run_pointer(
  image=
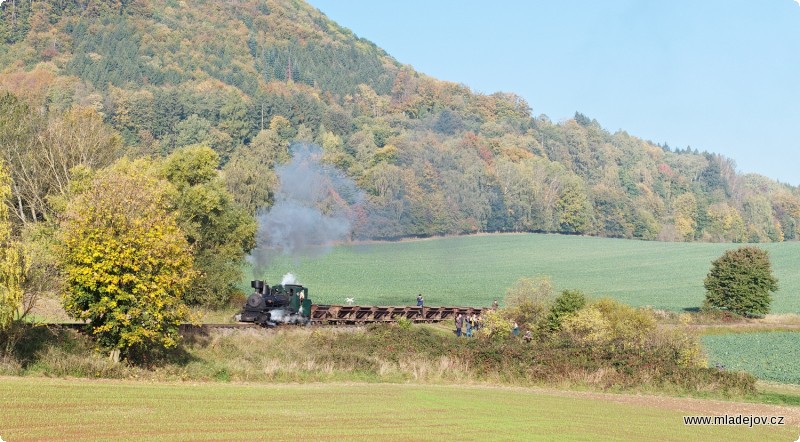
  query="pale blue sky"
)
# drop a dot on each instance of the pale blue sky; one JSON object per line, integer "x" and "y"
{"x": 722, "y": 76}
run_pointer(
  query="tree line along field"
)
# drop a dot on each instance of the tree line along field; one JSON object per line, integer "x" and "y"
{"x": 771, "y": 356}
{"x": 474, "y": 270}
{"x": 120, "y": 410}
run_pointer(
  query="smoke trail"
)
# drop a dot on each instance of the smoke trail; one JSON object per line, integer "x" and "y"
{"x": 313, "y": 209}
{"x": 288, "y": 278}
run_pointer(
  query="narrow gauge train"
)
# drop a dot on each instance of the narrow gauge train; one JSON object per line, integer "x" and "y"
{"x": 279, "y": 304}
{"x": 291, "y": 304}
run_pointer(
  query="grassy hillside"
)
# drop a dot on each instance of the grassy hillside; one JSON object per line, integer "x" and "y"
{"x": 473, "y": 270}
{"x": 114, "y": 410}
{"x": 250, "y": 77}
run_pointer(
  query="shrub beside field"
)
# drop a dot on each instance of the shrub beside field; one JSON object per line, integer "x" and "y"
{"x": 385, "y": 353}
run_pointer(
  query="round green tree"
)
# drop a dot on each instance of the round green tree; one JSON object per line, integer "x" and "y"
{"x": 741, "y": 281}
{"x": 127, "y": 263}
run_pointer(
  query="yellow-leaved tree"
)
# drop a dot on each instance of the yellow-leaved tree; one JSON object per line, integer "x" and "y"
{"x": 685, "y": 208}
{"x": 127, "y": 263}
{"x": 12, "y": 270}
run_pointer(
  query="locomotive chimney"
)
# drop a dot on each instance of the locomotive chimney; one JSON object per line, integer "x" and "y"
{"x": 258, "y": 285}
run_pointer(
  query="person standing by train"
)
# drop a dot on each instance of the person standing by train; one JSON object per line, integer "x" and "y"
{"x": 459, "y": 324}
{"x": 420, "y": 301}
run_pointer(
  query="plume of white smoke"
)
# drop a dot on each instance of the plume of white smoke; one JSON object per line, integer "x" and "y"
{"x": 278, "y": 315}
{"x": 313, "y": 209}
{"x": 288, "y": 278}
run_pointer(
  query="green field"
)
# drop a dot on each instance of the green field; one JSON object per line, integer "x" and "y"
{"x": 772, "y": 356}
{"x": 473, "y": 270}
{"x": 55, "y": 409}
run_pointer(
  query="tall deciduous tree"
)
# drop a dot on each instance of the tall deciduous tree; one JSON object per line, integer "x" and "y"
{"x": 42, "y": 152}
{"x": 574, "y": 209}
{"x": 685, "y": 207}
{"x": 741, "y": 281}
{"x": 220, "y": 231}
{"x": 250, "y": 174}
{"x": 126, "y": 262}
{"x": 12, "y": 269}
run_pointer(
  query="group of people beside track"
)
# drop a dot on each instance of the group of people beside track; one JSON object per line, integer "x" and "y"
{"x": 472, "y": 322}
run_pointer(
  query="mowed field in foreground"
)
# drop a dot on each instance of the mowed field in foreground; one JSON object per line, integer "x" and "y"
{"x": 474, "y": 270}
{"x": 56, "y": 409}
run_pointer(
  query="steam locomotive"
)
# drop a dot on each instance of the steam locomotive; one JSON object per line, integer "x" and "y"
{"x": 279, "y": 304}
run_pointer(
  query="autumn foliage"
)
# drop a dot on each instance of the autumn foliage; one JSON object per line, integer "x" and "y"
{"x": 12, "y": 270}
{"x": 248, "y": 78}
{"x": 127, "y": 264}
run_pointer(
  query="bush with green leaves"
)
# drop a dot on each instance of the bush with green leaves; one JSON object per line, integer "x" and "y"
{"x": 741, "y": 281}
{"x": 565, "y": 304}
{"x": 527, "y": 302}
{"x": 608, "y": 325}
{"x": 495, "y": 326}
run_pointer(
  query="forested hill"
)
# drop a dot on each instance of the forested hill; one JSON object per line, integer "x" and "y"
{"x": 249, "y": 77}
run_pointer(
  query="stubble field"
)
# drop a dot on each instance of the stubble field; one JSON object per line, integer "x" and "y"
{"x": 58, "y": 409}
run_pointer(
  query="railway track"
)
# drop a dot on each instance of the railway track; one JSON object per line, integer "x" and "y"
{"x": 337, "y": 316}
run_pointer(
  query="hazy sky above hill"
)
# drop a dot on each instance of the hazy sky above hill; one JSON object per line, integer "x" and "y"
{"x": 722, "y": 76}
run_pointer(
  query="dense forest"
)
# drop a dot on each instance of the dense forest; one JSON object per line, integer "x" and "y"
{"x": 87, "y": 82}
